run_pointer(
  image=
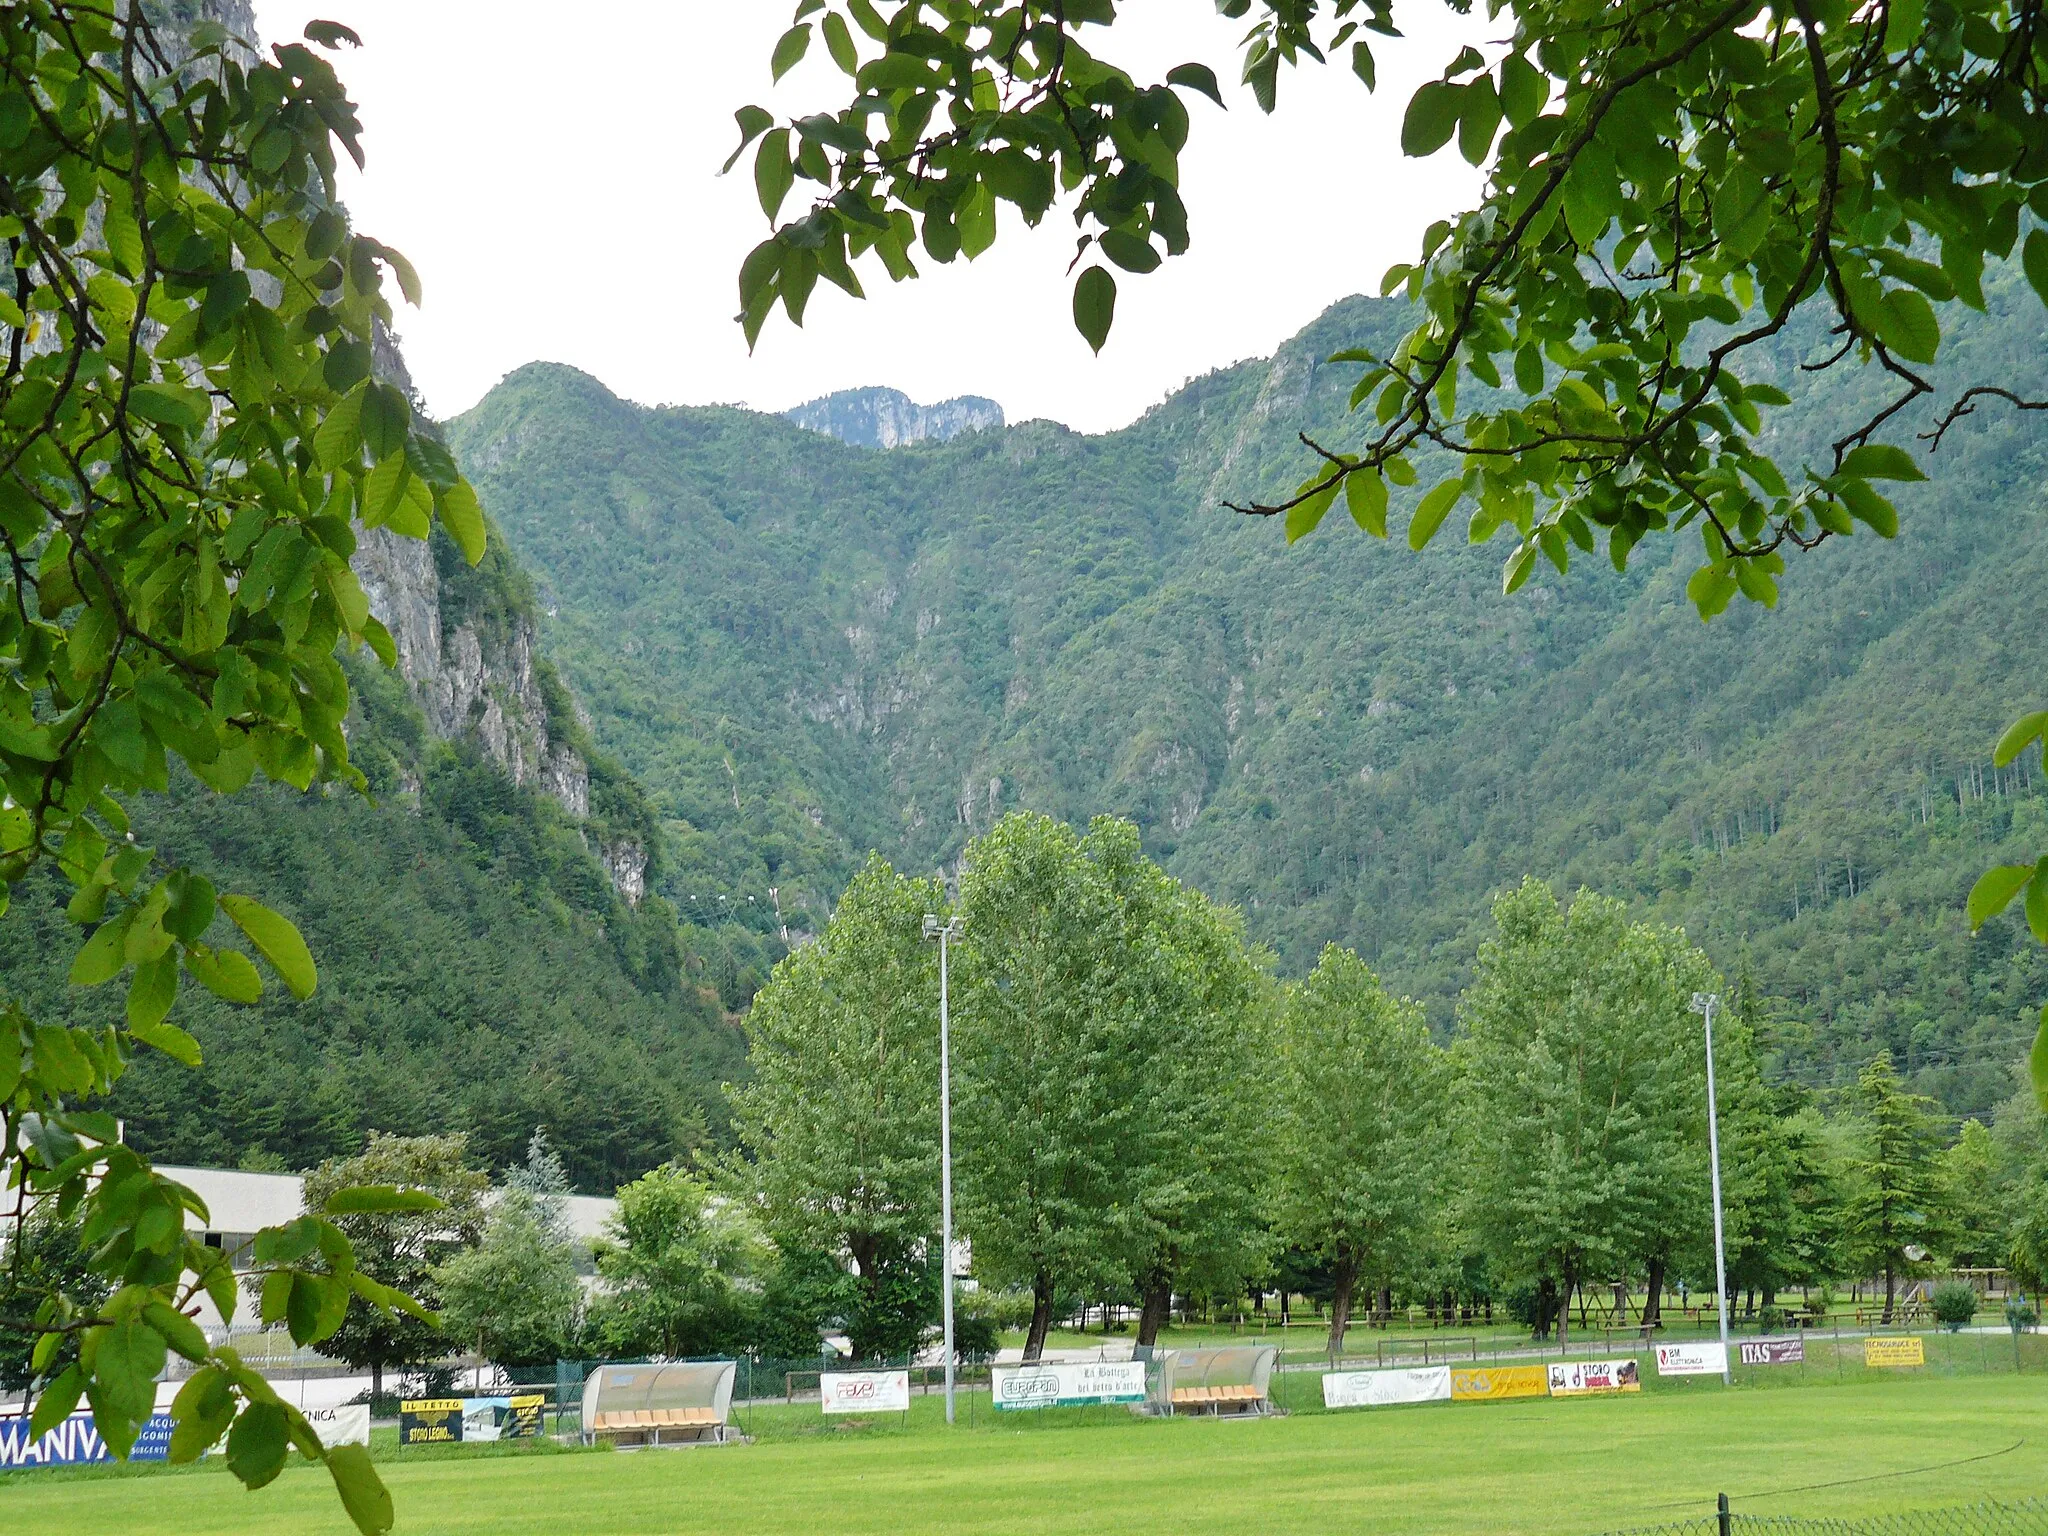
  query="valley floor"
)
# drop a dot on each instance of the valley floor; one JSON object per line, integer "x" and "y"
{"x": 1545, "y": 1466}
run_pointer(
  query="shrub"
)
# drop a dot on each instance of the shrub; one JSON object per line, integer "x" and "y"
{"x": 1955, "y": 1303}
{"x": 1771, "y": 1319}
{"x": 974, "y": 1339}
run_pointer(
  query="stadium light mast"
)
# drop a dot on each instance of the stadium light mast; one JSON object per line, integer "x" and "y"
{"x": 1703, "y": 1004}
{"x": 945, "y": 933}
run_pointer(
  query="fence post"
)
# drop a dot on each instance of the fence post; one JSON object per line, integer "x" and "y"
{"x": 1721, "y": 1515}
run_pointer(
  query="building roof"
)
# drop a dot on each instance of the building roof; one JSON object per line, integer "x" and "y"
{"x": 243, "y": 1202}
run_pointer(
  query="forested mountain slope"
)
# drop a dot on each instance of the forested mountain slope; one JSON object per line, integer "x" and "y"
{"x": 488, "y": 962}
{"x": 805, "y": 649}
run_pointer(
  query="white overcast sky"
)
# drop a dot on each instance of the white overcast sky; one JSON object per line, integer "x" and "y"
{"x": 552, "y": 172}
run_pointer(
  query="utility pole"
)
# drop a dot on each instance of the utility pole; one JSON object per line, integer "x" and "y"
{"x": 1703, "y": 1004}
{"x": 944, "y": 933}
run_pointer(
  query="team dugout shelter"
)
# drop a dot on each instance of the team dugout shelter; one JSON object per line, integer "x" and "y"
{"x": 1235, "y": 1379}
{"x": 639, "y": 1407}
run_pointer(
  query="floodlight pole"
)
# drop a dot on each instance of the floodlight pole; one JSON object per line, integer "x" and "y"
{"x": 1703, "y": 1004}
{"x": 943, "y": 932}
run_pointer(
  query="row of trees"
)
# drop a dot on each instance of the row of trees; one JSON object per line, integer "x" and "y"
{"x": 1141, "y": 1111}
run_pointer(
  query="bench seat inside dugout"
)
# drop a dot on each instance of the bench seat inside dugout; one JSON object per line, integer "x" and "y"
{"x": 1233, "y": 1380}
{"x": 636, "y": 1406}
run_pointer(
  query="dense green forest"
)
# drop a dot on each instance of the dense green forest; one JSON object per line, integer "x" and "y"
{"x": 478, "y": 970}
{"x": 806, "y": 649}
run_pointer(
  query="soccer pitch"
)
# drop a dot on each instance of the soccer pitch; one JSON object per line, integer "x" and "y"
{"x": 1570, "y": 1468}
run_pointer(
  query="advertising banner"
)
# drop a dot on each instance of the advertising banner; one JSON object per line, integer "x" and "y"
{"x": 1775, "y": 1352}
{"x": 430, "y": 1421}
{"x": 75, "y": 1443}
{"x": 1065, "y": 1386}
{"x": 1580, "y": 1378}
{"x": 1895, "y": 1351}
{"x": 1379, "y": 1389}
{"x": 864, "y": 1391}
{"x": 348, "y": 1424}
{"x": 1489, "y": 1383}
{"x": 446, "y": 1420}
{"x": 1691, "y": 1359}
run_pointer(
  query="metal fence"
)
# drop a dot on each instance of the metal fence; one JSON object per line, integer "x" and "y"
{"x": 2026, "y": 1518}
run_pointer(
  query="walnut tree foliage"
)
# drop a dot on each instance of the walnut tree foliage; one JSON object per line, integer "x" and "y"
{"x": 1669, "y": 187}
{"x": 190, "y": 429}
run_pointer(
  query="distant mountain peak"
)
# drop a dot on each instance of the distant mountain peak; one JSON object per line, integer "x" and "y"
{"x": 877, "y": 417}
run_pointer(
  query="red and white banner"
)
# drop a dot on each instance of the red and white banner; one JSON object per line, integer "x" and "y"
{"x": 1691, "y": 1360}
{"x": 864, "y": 1391}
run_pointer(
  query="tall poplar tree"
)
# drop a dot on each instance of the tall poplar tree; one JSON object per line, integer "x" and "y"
{"x": 1582, "y": 1102}
{"x": 1363, "y": 1109}
{"x": 839, "y": 1120}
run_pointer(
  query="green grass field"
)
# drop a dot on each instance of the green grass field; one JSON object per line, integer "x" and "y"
{"x": 1572, "y": 1468}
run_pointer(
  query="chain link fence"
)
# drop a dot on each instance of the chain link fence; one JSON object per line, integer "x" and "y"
{"x": 2026, "y": 1518}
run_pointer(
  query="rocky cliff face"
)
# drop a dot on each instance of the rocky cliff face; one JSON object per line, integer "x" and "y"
{"x": 888, "y": 418}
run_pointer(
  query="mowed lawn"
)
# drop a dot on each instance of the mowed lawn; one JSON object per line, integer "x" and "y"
{"x": 1540, "y": 1466}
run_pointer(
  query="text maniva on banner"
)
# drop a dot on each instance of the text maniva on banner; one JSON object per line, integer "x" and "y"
{"x": 1691, "y": 1360}
{"x": 1380, "y": 1389}
{"x": 864, "y": 1391}
{"x": 1488, "y": 1383}
{"x": 1581, "y": 1378}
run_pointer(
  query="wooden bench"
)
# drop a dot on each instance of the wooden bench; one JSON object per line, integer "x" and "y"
{"x": 1217, "y": 1399}
{"x": 646, "y": 1424}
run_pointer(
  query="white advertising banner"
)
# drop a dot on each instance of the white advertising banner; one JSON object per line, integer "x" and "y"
{"x": 1379, "y": 1389}
{"x": 347, "y": 1424}
{"x": 864, "y": 1391}
{"x": 1691, "y": 1360}
{"x": 1064, "y": 1385}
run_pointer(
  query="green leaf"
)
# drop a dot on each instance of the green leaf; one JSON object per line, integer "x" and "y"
{"x": 1872, "y": 508}
{"x": 191, "y": 908}
{"x": 1128, "y": 251}
{"x": 169, "y": 1039}
{"x": 1095, "y": 305}
{"x": 1994, "y": 891}
{"x": 339, "y": 438}
{"x": 358, "y": 1199}
{"x": 226, "y": 973}
{"x": 1431, "y": 119}
{"x": 463, "y": 519}
{"x": 789, "y": 50}
{"x": 316, "y": 1307}
{"x": 1197, "y": 77}
{"x": 258, "y": 1443}
{"x": 1478, "y": 121}
{"x": 839, "y": 43}
{"x": 177, "y": 1330}
{"x": 2037, "y": 1062}
{"x": 1906, "y": 323}
{"x": 277, "y": 941}
{"x": 170, "y": 405}
{"x": 59, "y": 1398}
{"x": 754, "y": 122}
{"x": 773, "y": 173}
{"x": 1305, "y": 514}
{"x": 151, "y": 992}
{"x": 103, "y": 956}
{"x": 126, "y": 1363}
{"x": 2034, "y": 257}
{"x": 2017, "y": 735}
{"x": 362, "y": 1491}
{"x": 1524, "y": 90}
{"x": 385, "y": 419}
{"x": 1365, "y": 497}
{"x": 2036, "y": 906}
{"x": 1430, "y": 515}
{"x": 1881, "y": 461}
{"x": 976, "y": 220}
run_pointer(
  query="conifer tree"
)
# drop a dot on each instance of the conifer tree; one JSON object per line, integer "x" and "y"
{"x": 1894, "y": 1213}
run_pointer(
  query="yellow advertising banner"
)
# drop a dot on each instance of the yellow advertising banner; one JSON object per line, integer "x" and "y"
{"x": 1895, "y": 1351}
{"x": 1485, "y": 1383}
